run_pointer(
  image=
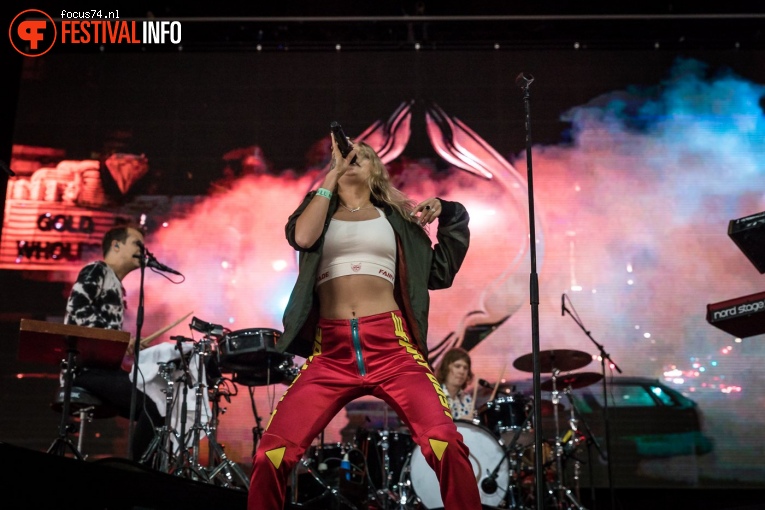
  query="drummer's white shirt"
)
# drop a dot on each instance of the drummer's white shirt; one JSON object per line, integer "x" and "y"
{"x": 461, "y": 406}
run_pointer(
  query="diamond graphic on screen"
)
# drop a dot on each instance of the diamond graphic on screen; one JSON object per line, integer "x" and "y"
{"x": 126, "y": 169}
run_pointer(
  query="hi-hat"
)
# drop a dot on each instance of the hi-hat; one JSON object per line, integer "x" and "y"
{"x": 573, "y": 381}
{"x": 564, "y": 360}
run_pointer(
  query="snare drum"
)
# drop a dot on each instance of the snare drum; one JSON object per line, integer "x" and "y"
{"x": 486, "y": 454}
{"x": 251, "y": 355}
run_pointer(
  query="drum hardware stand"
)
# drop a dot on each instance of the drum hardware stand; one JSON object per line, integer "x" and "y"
{"x": 590, "y": 439}
{"x": 257, "y": 430}
{"x": 489, "y": 484}
{"x": 226, "y": 466}
{"x": 561, "y": 489}
{"x": 603, "y": 357}
{"x": 403, "y": 495}
{"x": 385, "y": 446}
{"x": 161, "y": 446}
{"x": 187, "y": 462}
{"x": 328, "y": 489}
{"x": 334, "y": 492}
{"x": 384, "y": 490}
{"x": 384, "y": 495}
{"x": 307, "y": 464}
{"x": 86, "y": 416}
{"x": 202, "y": 349}
{"x": 290, "y": 372}
{"x": 182, "y": 462}
{"x": 63, "y": 441}
{"x": 514, "y": 465}
{"x": 573, "y": 441}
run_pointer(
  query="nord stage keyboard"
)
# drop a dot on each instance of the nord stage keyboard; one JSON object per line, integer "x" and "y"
{"x": 742, "y": 317}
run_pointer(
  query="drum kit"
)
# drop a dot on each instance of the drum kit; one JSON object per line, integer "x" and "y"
{"x": 246, "y": 357}
{"x": 380, "y": 468}
{"x": 386, "y": 470}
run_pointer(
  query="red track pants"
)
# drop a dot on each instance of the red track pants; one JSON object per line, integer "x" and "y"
{"x": 371, "y": 355}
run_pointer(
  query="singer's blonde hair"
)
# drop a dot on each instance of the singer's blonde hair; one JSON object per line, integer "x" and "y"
{"x": 380, "y": 186}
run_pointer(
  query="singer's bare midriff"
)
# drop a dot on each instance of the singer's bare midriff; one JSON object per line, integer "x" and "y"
{"x": 352, "y": 296}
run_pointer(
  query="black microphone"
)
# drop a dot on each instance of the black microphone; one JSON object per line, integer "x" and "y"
{"x": 152, "y": 262}
{"x": 562, "y": 305}
{"x": 159, "y": 266}
{"x": 341, "y": 139}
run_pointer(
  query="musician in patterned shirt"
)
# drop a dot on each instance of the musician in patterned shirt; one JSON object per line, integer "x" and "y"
{"x": 97, "y": 299}
{"x": 455, "y": 373}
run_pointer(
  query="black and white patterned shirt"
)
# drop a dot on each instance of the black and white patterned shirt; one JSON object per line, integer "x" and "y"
{"x": 461, "y": 406}
{"x": 97, "y": 299}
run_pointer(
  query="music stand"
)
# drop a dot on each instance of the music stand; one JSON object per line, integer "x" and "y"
{"x": 67, "y": 345}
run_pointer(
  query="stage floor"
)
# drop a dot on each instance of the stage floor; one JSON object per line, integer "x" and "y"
{"x": 36, "y": 479}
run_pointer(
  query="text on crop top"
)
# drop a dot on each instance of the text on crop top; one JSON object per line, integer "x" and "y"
{"x": 358, "y": 247}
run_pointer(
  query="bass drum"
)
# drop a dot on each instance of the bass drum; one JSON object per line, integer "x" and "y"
{"x": 485, "y": 454}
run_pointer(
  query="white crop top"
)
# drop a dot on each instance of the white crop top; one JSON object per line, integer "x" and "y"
{"x": 358, "y": 247}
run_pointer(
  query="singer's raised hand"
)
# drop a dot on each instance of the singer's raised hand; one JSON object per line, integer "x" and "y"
{"x": 340, "y": 164}
{"x": 310, "y": 222}
{"x": 428, "y": 210}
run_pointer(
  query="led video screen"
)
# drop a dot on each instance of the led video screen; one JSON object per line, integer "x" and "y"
{"x": 639, "y": 162}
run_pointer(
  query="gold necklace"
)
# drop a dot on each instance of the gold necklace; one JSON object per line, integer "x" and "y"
{"x": 356, "y": 208}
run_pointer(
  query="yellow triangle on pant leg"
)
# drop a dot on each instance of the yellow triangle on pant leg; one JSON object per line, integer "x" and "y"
{"x": 438, "y": 447}
{"x": 276, "y": 455}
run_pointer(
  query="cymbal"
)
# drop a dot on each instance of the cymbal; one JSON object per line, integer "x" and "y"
{"x": 575, "y": 380}
{"x": 564, "y": 360}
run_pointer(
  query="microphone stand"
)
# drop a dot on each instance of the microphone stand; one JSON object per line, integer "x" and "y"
{"x": 524, "y": 82}
{"x": 136, "y": 351}
{"x": 603, "y": 357}
{"x": 184, "y": 461}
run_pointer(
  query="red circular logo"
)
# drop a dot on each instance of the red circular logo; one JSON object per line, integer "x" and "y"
{"x": 32, "y": 33}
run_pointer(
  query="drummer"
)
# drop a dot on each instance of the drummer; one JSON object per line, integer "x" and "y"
{"x": 455, "y": 373}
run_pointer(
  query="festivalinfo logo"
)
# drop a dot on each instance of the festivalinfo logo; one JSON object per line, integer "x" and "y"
{"x": 33, "y": 32}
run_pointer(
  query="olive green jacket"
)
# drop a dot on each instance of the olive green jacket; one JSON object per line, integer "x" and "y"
{"x": 420, "y": 267}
